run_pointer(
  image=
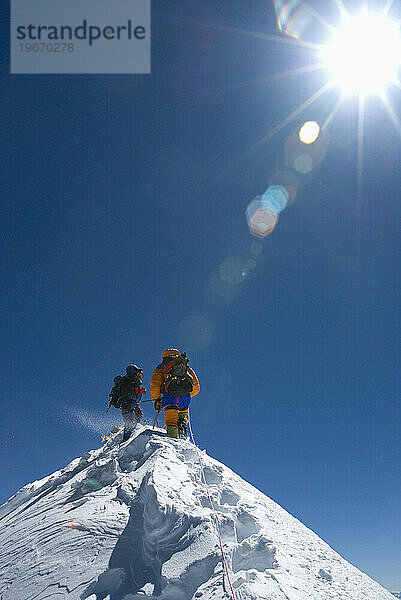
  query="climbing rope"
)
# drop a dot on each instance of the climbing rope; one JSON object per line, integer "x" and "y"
{"x": 214, "y": 510}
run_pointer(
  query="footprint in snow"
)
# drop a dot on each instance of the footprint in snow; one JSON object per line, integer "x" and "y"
{"x": 229, "y": 497}
{"x": 246, "y": 525}
{"x": 213, "y": 477}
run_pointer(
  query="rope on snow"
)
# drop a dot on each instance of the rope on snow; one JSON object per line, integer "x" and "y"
{"x": 214, "y": 511}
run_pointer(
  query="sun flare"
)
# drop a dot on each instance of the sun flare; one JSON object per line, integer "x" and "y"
{"x": 364, "y": 54}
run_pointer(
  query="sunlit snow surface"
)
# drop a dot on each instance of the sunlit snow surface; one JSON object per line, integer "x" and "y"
{"x": 132, "y": 521}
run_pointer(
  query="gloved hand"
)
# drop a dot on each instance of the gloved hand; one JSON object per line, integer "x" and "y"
{"x": 158, "y": 405}
{"x": 138, "y": 413}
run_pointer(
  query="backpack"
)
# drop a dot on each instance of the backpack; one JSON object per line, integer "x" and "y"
{"x": 115, "y": 394}
{"x": 122, "y": 387}
{"x": 177, "y": 380}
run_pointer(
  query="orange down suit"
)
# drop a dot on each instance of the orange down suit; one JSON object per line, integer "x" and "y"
{"x": 171, "y": 414}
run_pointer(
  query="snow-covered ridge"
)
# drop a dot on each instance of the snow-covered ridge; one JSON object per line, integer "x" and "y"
{"x": 133, "y": 521}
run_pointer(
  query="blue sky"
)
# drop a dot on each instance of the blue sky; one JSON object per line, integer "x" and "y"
{"x": 123, "y": 202}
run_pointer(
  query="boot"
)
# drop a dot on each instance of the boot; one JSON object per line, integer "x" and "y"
{"x": 126, "y": 434}
{"x": 172, "y": 431}
{"x": 182, "y": 429}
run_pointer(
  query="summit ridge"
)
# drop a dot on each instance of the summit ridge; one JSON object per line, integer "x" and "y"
{"x": 133, "y": 520}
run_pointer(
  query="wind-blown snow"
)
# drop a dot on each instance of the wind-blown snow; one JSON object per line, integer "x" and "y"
{"x": 92, "y": 421}
{"x": 132, "y": 521}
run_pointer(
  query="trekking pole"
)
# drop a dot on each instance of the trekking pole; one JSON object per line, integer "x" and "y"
{"x": 156, "y": 422}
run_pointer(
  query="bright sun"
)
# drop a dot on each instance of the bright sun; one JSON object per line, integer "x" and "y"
{"x": 360, "y": 56}
{"x": 364, "y": 54}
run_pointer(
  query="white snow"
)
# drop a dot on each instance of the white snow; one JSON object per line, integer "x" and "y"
{"x": 133, "y": 521}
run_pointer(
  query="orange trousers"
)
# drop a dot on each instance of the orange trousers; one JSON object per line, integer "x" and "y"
{"x": 171, "y": 416}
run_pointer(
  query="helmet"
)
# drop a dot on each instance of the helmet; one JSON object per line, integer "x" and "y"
{"x": 171, "y": 352}
{"x": 133, "y": 370}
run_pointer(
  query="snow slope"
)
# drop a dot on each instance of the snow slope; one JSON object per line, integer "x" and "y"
{"x": 132, "y": 521}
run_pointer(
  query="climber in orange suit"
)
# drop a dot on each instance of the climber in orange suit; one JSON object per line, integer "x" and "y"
{"x": 172, "y": 386}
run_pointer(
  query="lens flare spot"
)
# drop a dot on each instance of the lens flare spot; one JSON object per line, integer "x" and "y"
{"x": 219, "y": 292}
{"x": 250, "y": 265}
{"x": 256, "y": 248}
{"x": 289, "y": 180}
{"x": 293, "y": 17}
{"x": 231, "y": 270}
{"x": 309, "y": 132}
{"x": 303, "y": 163}
{"x": 261, "y": 219}
{"x": 195, "y": 331}
{"x": 275, "y": 198}
{"x": 303, "y": 158}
